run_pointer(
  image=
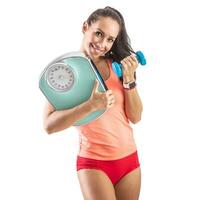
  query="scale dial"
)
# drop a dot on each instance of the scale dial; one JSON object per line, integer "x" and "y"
{"x": 60, "y": 77}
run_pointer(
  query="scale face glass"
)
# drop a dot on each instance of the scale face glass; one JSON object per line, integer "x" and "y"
{"x": 60, "y": 77}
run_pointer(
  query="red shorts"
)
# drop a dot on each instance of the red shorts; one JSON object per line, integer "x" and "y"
{"x": 115, "y": 169}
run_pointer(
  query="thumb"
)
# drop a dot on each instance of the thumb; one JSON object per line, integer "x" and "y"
{"x": 96, "y": 84}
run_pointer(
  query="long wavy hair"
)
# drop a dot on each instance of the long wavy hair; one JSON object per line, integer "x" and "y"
{"x": 121, "y": 47}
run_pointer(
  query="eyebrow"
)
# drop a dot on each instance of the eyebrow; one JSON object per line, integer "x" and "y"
{"x": 104, "y": 33}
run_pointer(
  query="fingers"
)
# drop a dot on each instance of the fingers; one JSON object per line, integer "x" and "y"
{"x": 110, "y": 103}
{"x": 110, "y": 99}
{"x": 107, "y": 98}
{"x": 130, "y": 61}
{"x": 109, "y": 92}
{"x": 109, "y": 95}
{"x": 133, "y": 58}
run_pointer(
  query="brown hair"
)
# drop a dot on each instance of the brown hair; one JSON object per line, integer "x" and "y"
{"x": 121, "y": 47}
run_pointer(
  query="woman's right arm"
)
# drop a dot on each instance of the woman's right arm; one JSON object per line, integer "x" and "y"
{"x": 55, "y": 121}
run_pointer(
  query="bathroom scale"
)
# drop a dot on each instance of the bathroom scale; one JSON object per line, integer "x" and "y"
{"x": 69, "y": 80}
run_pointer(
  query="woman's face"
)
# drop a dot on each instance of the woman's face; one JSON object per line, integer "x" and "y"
{"x": 99, "y": 37}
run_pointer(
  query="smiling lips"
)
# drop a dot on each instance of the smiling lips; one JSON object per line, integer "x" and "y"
{"x": 96, "y": 49}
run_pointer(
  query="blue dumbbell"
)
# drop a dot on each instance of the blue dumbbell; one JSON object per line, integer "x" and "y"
{"x": 117, "y": 67}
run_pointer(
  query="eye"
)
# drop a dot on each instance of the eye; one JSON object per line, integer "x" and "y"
{"x": 111, "y": 40}
{"x": 98, "y": 33}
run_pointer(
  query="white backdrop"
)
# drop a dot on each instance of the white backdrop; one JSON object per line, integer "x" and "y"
{"x": 35, "y": 165}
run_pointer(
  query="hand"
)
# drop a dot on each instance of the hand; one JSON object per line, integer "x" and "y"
{"x": 129, "y": 65}
{"x": 101, "y": 100}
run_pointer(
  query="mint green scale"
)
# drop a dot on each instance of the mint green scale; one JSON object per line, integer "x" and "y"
{"x": 68, "y": 81}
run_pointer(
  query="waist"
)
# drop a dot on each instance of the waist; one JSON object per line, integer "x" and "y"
{"x": 106, "y": 151}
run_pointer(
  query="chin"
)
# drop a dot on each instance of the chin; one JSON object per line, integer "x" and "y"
{"x": 93, "y": 56}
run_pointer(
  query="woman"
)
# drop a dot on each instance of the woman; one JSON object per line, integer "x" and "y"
{"x": 108, "y": 167}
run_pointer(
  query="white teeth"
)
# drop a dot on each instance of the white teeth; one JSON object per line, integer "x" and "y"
{"x": 96, "y": 49}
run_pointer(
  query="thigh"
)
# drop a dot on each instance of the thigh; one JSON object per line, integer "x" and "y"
{"x": 95, "y": 184}
{"x": 128, "y": 188}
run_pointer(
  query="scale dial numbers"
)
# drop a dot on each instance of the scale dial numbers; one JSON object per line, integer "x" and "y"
{"x": 60, "y": 77}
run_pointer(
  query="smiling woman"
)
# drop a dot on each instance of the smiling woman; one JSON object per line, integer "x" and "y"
{"x": 99, "y": 37}
{"x": 107, "y": 164}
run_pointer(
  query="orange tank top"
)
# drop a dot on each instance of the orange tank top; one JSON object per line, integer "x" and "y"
{"x": 109, "y": 137}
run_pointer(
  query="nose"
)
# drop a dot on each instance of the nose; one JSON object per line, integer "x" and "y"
{"x": 102, "y": 44}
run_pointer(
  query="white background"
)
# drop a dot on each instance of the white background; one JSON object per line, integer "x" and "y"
{"x": 35, "y": 165}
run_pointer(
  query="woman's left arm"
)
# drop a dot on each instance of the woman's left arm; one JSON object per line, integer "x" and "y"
{"x": 133, "y": 103}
